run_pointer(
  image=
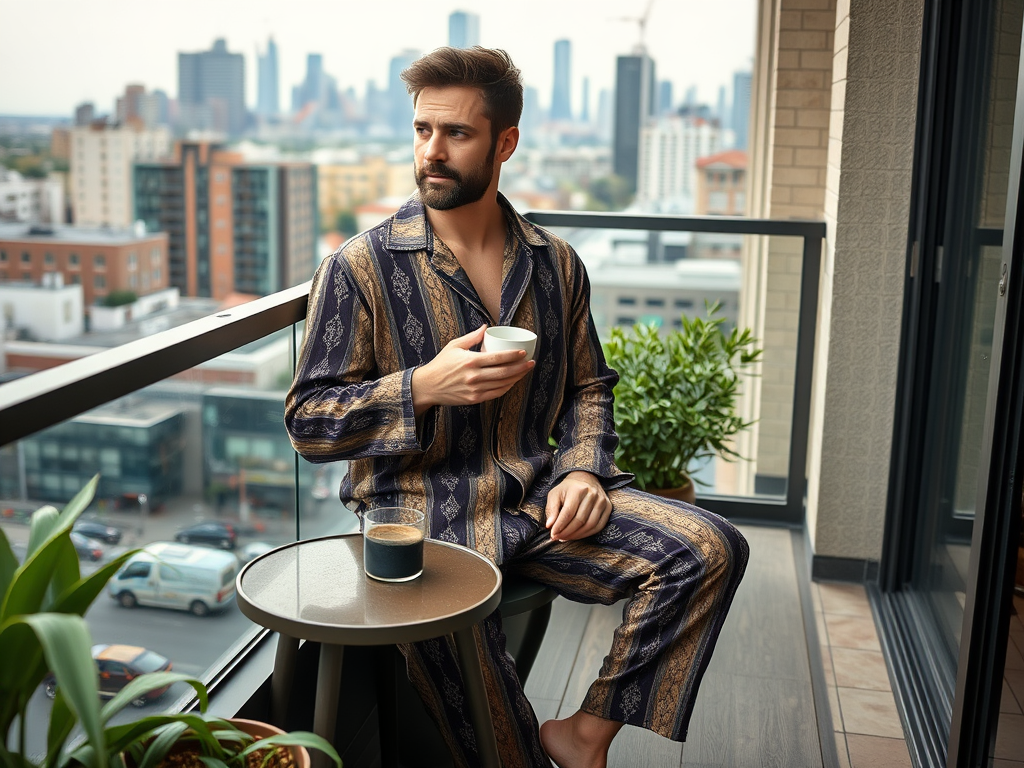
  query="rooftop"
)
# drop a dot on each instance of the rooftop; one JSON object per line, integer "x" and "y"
{"x": 65, "y": 233}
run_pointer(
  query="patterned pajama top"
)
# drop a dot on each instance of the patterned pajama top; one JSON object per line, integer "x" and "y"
{"x": 388, "y": 301}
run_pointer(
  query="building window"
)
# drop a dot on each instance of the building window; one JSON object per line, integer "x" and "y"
{"x": 99, "y": 261}
{"x": 132, "y": 260}
{"x": 99, "y": 281}
{"x": 683, "y": 303}
{"x": 26, "y": 276}
{"x": 624, "y": 320}
{"x": 133, "y": 281}
{"x": 156, "y": 275}
{"x": 76, "y": 279}
{"x": 73, "y": 259}
{"x": 48, "y": 258}
{"x": 655, "y": 302}
{"x": 26, "y": 257}
{"x": 154, "y": 256}
{"x": 3, "y": 256}
{"x": 627, "y": 301}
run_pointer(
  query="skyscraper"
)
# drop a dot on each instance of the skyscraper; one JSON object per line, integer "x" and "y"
{"x": 722, "y": 112}
{"x": 561, "y": 93}
{"x": 463, "y": 29}
{"x": 268, "y": 89}
{"x": 634, "y": 101}
{"x": 585, "y": 99}
{"x": 211, "y": 89}
{"x": 313, "y": 88}
{"x": 400, "y": 112}
{"x": 664, "y": 97}
{"x": 741, "y": 107}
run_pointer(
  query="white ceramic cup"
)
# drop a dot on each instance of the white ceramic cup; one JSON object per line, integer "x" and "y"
{"x": 500, "y": 338}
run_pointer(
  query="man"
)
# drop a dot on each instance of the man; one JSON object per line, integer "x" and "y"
{"x": 389, "y": 377}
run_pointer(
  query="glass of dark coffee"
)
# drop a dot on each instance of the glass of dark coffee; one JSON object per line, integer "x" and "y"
{"x": 393, "y": 543}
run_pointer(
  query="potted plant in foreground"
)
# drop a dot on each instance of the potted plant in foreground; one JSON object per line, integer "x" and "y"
{"x": 43, "y": 632}
{"x": 676, "y": 400}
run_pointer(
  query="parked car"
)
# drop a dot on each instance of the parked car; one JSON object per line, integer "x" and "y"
{"x": 118, "y": 665}
{"x": 94, "y": 529}
{"x": 169, "y": 575}
{"x": 87, "y": 549}
{"x": 214, "y": 534}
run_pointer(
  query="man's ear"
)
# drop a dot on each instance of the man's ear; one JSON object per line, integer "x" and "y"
{"x": 508, "y": 140}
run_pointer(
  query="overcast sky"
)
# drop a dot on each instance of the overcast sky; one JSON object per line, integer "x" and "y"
{"x": 55, "y": 54}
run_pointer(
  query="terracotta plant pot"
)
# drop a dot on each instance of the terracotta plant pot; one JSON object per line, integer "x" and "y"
{"x": 256, "y": 729}
{"x": 687, "y": 493}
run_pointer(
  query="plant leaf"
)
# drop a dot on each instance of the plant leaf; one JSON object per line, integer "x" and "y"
{"x": 296, "y": 739}
{"x": 80, "y": 595}
{"x": 62, "y": 720}
{"x": 150, "y": 682}
{"x": 8, "y": 563}
{"x": 158, "y": 748}
{"x": 66, "y": 645}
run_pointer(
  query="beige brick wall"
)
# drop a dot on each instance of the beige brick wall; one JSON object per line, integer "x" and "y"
{"x": 867, "y": 207}
{"x": 799, "y": 151}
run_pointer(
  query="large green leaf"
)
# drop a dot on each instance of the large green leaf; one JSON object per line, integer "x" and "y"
{"x": 80, "y": 595}
{"x": 8, "y": 563}
{"x": 66, "y": 645}
{"x": 165, "y": 739}
{"x": 150, "y": 682}
{"x": 43, "y": 523}
{"x": 49, "y": 558}
{"x": 18, "y": 680}
{"x": 66, "y": 570}
{"x": 62, "y": 720}
{"x": 77, "y": 505}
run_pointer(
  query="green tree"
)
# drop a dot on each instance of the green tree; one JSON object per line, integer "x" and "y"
{"x": 119, "y": 298}
{"x": 609, "y": 193}
{"x": 345, "y": 222}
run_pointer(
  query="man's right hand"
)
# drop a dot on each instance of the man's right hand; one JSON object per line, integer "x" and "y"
{"x": 458, "y": 376}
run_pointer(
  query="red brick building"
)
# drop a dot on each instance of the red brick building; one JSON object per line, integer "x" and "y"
{"x": 100, "y": 260}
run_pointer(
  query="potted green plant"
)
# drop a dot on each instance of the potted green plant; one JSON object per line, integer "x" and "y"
{"x": 44, "y": 600}
{"x": 676, "y": 399}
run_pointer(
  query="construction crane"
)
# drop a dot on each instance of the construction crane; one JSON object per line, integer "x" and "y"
{"x": 641, "y": 21}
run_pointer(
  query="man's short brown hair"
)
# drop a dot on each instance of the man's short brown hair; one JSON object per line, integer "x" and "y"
{"x": 489, "y": 69}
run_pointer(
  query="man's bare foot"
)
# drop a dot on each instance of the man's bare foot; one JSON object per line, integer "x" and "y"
{"x": 580, "y": 741}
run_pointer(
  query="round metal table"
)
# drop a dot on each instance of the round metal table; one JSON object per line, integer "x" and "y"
{"x": 316, "y": 590}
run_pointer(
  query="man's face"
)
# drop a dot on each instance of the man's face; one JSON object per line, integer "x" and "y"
{"x": 454, "y": 149}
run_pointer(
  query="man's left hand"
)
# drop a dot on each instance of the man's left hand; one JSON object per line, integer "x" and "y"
{"x": 577, "y": 507}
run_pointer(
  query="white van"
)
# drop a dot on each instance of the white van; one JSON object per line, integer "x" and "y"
{"x": 181, "y": 576}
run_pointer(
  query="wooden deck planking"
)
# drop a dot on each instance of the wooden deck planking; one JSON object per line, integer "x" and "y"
{"x": 755, "y": 706}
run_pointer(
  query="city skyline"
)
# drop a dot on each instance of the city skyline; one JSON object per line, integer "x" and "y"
{"x": 693, "y": 45}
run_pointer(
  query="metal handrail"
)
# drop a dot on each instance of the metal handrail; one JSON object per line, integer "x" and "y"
{"x": 40, "y": 400}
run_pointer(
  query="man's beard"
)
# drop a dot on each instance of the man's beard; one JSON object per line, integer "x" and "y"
{"x": 466, "y": 187}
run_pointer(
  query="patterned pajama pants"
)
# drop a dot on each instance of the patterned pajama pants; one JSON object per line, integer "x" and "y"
{"x": 679, "y": 567}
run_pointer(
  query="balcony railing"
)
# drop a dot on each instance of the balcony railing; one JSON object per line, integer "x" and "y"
{"x": 41, "y": 400}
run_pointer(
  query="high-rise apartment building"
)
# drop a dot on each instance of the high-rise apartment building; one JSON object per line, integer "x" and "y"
{"x": 669, "y": 149}
{"x": 234, "y": 227}
{"x": 463, "y": 29}
{"x": 401, "y": 111}
{"x": 129, "y": 105}
{"x": 155, "y": 109}
{"x": 85, "y": 113}
{"x": 634, "y": 103}
{"x": 268, "y": 87}
{"x": 561, "y": 92}
{"x": 211, "y": 90}
{"x": 101, "y": 169}
{"x": 740, "y": 123}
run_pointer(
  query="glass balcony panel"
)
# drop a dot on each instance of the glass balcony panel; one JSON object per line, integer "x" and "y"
{"x": 641, "y": 276}
{"x": 204, "y": 448}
